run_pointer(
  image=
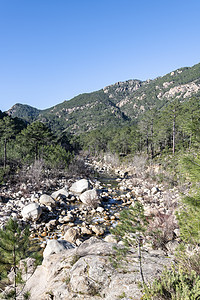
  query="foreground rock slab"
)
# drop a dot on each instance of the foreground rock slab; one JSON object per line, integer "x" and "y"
{"x": 86, "y": 272}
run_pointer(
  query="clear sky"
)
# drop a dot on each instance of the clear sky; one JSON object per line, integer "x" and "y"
{"x": 53, "y": 50}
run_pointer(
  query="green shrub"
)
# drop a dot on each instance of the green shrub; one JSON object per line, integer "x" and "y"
{"x": 174, "y": 284}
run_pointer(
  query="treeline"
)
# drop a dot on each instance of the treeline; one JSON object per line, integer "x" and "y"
{"x": 169, "y": 129}
{"x": 166, "y": 130}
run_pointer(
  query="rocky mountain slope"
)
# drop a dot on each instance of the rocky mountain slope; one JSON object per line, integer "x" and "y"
{"x": 120, "y": 103}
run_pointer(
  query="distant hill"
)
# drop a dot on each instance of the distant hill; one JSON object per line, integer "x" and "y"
{"x": 117, "y": 104}
{"x": 25, "y": 112}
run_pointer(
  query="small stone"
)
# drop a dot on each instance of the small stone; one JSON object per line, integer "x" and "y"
{"x": 71, "y": 235}
{"x": 100, "y": 209}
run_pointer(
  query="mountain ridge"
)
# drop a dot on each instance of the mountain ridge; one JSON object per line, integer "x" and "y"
{"x": 117, "y": 104}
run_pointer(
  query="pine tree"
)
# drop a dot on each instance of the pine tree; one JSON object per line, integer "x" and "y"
{"x": 130, "y": 230}
{"x": 189, "y": 216}
{"x": 32, "y": 140}
{"x": 14, "y": 242}
{"x": 7, "y": 131}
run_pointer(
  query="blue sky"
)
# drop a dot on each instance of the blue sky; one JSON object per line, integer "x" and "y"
{"x": 53, "y": 50}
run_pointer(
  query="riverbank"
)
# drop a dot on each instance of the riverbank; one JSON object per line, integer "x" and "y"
{"x": 77, "y": 211}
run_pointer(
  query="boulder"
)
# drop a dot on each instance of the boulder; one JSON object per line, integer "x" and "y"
{"x": 91, "y": 275}
{"x": 90, "y": 198}
{"x": 110, "y": 238}
{"x": 79, "y": 186}
{"x": 85, "y": 230}
{"x": 31, "y": 211}
{"x": 68, "y": 218}
{"x": 98, "y": 230}
{"x": 100, "y": 209}
{"x": 47, "y": 200}
{"x": 63, "y": 193}
{"x": 55, "y": 246}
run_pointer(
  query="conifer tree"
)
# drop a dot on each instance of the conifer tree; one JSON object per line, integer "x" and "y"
{"x": 7, "y": 131}
{"x": 14, "y": 242}
{"x": 33, "y": 139}
{"x": 130, "y": 230}
{"x": 189, "y": 216}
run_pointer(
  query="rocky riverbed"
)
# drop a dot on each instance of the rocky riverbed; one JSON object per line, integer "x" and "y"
{"x": 72, "y": 219}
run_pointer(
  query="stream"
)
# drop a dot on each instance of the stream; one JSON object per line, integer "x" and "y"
{"x": 105, "y": 216}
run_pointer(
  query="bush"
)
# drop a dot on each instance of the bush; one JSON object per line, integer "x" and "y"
{"x": 161, "y": 229}
{"x": 174, "y": 284}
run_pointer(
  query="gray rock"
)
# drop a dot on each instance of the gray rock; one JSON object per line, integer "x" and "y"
{"x": 89, "y": 275}
{"x": 71, "y": 235}
{"x": 86, "y": 273}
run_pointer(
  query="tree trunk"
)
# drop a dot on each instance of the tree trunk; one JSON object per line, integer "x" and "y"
{"x": 152, "y": 148}
{"x": 140, "y": 258}
{"x": 174, "y": 131}
{"x": 147, "y": 142}
{"x": 5, "y": 153}
{"x": 15, "y": 274}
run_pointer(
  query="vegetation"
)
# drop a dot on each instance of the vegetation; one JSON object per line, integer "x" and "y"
{"x": 131, "y": 230}
{"x": 183, "y": 280}
{"x": 14, "y": 245}
{"x": 175, "y": 285}
{"x": 123, "y": 103}
{"x": 24, "y": 145}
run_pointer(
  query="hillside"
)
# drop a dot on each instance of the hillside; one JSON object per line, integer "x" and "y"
{"x": 116, "y": 104}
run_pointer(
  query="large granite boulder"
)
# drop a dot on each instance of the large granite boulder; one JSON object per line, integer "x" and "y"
{"x": 31, "y": 212}
{"x": 86, "y": 273}
{"x": 79, "y": 186}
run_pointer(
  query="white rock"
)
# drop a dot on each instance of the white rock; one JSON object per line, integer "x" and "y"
{"x": 100, "y": 209}
{"x": 47, "y": 200}
{"x": 154, "y": 190}
{"x": 62, "y": 192}
{"x": 110, "y": 238}
{"x": 80, "y": 186}
{"x": 90, "y": 198}
{"x": 31, "y": 211}
{"x": 55, "y": 246}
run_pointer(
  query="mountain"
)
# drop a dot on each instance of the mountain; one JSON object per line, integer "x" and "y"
{"x": 117, "y": 104}
{"x": 25, "y": 112}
